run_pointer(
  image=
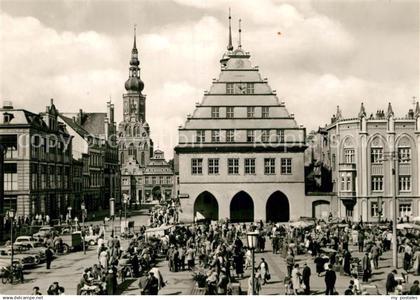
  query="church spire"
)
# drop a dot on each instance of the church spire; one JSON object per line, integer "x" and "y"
{"x": 240, "y": 32}
{"x": 135, "y": 34}
{"x": 134, "y": 83}
{"x": 230, "y": 46}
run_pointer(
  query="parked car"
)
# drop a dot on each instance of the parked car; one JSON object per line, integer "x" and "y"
{"x": 27, "y": 260}
{"x": 24, "y": 240}
{"x": 34, "y": 248}
{"x": 43, "y": 232}
{"x": 92, "y": 240}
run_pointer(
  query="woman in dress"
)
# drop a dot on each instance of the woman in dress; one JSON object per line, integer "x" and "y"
{"x": 296, "y": 279}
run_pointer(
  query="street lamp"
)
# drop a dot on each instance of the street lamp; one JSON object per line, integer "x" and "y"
{"x": 69, "y": 214}
{"x": 125, "y": 201}
{"x": 11, "y": 214}
{"x": 83, "y": 207}
{"x": 252, "y": 239}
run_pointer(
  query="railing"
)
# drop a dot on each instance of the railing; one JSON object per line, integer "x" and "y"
{"x": 347, "y": 167}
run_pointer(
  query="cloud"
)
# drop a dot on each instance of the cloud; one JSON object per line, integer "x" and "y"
{"x": 314, "y": 64}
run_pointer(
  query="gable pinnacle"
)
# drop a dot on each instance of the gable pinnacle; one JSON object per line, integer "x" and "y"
{"x": 390, "y": 112}
{"x": 230, "y": 46}
{"x": 240, "y": 31}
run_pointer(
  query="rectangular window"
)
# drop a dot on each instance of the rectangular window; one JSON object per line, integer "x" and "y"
{"x": 377, "y": 183}
{"x": 213, "y": 164}
{"x": 346, "y": 182}
{"x": 230, "y": 112}
{"x": 269, "y": 166}
{"x": 250, "y": 137}
{"x": 375, "y": 211}
{"x": 215, "y": 112}
{"x": 200, "y": 136}
{"x": 349, "y": 156}
{"x": 249, "y": 165}
{"x": 404, "y": 155}
{"x": 250, "y": 111}
{"x": 196, "y": 166}
{"x": 265, "y": 136}
{"x": 405, "y": 183}
{"x": 11, "y": 146}
{"x": 229, "y": 88}
{"x": 376, "y": 155}
{"x": 280, "y": 135}
{"x": 215, "y": 136}
{"x": 249, "y": 88}
{"x": 405, "y": 210}
{"x": 10, "y": 177}
{"x": 233, "y": 166}
{"x": 230, "y": 135}
{"x": 286, "y": 166}
{"x": 265, "y": 112}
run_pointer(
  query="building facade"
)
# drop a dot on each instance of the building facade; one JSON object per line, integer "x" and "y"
{"x": 37, "y": 162}
{"x": 241, "y": 154}
{"x": 155, "y": 181}
{"x": 372, "y": 159}
{"x": 95, "y": 157}
{"x": 135, "y": 144}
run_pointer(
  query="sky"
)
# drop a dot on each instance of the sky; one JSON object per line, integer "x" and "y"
{"x": 328, "y": 53}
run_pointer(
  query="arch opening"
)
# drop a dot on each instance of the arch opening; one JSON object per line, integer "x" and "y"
{"x": 277, "y": 208}
{"x": 206, "y": 207}
{"x": 242, "y": 208}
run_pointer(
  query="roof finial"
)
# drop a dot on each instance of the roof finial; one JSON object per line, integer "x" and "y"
{"x": 135, "y": 33}
{"x": 362, "y": 113}
{"x": 240, "y": 30}
{"x": 230, "y": 47}
{"x": 390, "y": 112}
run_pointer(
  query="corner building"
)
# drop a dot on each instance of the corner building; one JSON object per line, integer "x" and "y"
{"x": 241, "y": 154}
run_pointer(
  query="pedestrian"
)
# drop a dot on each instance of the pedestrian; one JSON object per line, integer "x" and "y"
{"x": 361, "y": 240}
{"x": 319, "y": 262}
{"x": 54, "y": 289}
{"x": 414, "y": 289}
{"x": 35, "y": 291}
{"x": 110, "y": 283}
{"x": 375, "y": 256}
{"x": 49, "y": 254}
{"x": 346, "y": 262}
{"x": 222, "y": 283}
{"x": 296, "y": 279}
{"x": 391, "y": 283}
{"x": 151, "y": 286}
{"x": 257, "y": 284}
{"x": 306, "y": 278}
{"x": 290, "y": 261}
{"x": 264, "y": 271}
{"x": 238, "y": 260}
{"x": 367, "y": 267}
{"x": 356, "y": 285}
{"x": 330, "y": 279}
{"x": 190, "y": 257}
{"x": 349, "y": 291}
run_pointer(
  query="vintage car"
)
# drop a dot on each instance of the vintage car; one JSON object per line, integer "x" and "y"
{"x": 34, "y": 248}
{"x": 27, "y": 260}
{"x": 43, "y": 232}
{"x": 24, "y": 240}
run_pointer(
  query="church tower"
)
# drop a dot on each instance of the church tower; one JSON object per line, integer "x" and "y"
{"x": 134, "y": 132}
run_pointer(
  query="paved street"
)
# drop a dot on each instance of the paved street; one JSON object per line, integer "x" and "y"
{"x": 67, "y": 270}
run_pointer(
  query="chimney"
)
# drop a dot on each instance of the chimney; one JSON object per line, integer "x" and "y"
{"x": 7, "y": 104}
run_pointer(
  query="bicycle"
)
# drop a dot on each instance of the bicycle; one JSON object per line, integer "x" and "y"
{"x": 12, "y": 276}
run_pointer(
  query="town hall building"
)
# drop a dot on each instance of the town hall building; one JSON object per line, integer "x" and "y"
{"x": 240, "y": 154}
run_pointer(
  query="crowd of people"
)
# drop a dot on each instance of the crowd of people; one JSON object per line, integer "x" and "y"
{"x": 217, "y": 256}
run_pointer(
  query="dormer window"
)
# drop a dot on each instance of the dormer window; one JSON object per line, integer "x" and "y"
{"x": 7, "y": 118}
{"x": 215, "y": 112}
